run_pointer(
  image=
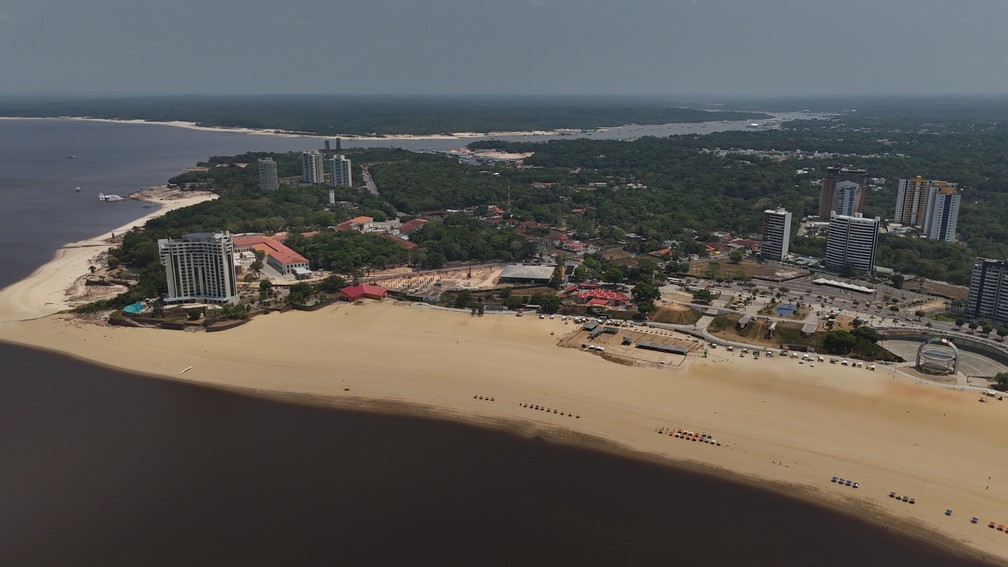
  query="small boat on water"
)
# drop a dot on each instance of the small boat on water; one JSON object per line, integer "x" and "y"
{"x": 77, "y": 190}
{"x": 109, "y": 198}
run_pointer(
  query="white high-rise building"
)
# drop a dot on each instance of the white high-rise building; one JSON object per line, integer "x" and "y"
{"x": 341, "y": 174}
{"x": 776, "y": 234}
{"x": 941, "y": 213}
{"x": 988, "y": 292}
{"x": 268, "y": 180}
{"x": 847, "y": 195}
{"x": 199, "y": 267}
{"x": 851, "y": 242}
{"x": 311, "y": 167}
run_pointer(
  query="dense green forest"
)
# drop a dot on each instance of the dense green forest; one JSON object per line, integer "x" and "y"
{"x": 332, "y": 115}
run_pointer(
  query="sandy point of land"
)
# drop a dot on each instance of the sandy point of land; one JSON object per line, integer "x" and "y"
{"x": 781, "y": 424}
{"x": 48, "y": 290}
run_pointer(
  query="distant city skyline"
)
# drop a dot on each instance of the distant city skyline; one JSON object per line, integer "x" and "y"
{"x": 688, "y": 48}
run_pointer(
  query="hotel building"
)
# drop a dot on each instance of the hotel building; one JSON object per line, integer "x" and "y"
{"x": 776, "y": 234}
{"x": 828, "y": 189}
{"x": 988, "y": 292}
{"x": 851, "y": 242}
{"x": 199, "y": 267}
{"x": 311, "y": 167}
{"x": 341, "y": 174}
{"x": 268, "y": 180}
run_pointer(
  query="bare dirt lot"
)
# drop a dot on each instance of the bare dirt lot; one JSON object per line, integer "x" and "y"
{"x": 757, "y": 270}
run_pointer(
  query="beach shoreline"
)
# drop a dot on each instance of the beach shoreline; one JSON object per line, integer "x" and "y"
{"x": 291, "y": 134}
{"x": 783, "y": 429}
{"x": 47, "y": 290}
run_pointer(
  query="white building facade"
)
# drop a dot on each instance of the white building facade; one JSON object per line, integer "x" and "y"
{"x": 341, "y": 172}
{"x": 776, "y": 234}
{"x": 941, "y": 213}
{"x": 988, "y": 292}
{"x": 851, "y": 242}
{"x": 268, "y": 180}
{"x": 199, "y": 267}
{"x": 847, "y": 197}
{"x": 311, "y": 167}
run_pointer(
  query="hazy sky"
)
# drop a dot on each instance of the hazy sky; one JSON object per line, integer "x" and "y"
{"x": 677, "y": 47}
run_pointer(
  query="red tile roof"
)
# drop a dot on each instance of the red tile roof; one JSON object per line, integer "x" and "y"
{"x": 602, "y": 294}
{"x": 270, "y": 246}
{"x": 355, "y": 292}
{"x": 402, "y": 242}
{"x": 409, "y": 226}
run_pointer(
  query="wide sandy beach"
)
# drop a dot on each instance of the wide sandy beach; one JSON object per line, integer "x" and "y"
{"x": 47, "y": 290}
{"x": 782, "y": 425}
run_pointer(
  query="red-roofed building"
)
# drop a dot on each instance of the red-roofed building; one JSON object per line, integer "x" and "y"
{"x": 402, "y": 242}
{"x": 409, "y": 226}
{"x": 365, "y": 291}
{"x": 280, "y": 257}
{"x": 748, "y": 244}
{"x": 596, "y": 296}
{"x": 356, "y": 223}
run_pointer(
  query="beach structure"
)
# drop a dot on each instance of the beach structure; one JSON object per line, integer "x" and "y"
{"x": 364, "y": 291}
{"x": 851, "y": 242}
{"x": 311, "y": 167}
{"x": 938, "y": 356}
{"x": 988, "y": 291}
{"x": 199, "y": 267}
{"x": 268, "y": 180}
{"x": 278, "y": 255}
{"x": 594, "y": 296}
{"x": 340, "y": 171}
{"x": 828, "y": 189}
{"x": 776, "y": 235}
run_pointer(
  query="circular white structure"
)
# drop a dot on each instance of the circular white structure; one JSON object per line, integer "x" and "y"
{"x": 938, "y": 356}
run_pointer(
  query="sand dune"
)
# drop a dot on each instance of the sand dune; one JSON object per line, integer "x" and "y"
{"x": 780, "y": 423}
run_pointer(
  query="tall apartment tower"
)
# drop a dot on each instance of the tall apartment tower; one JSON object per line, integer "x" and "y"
{"x": 911, "y": 199}
{"x": 851, "y": 242}
{"x": 828, "y": 189}
{"x": 847, "y": 195}
{"x": 776, "y": 234}
{"x": 941, "y": 214}
{"x": 311, "y": 167}
{"x": 268, "y": 180}
{"x": 929, "y": 205}
{"x": 988, "y": 292}
{"x": 341, "y": 174}
{"x": 199, "y": 267}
